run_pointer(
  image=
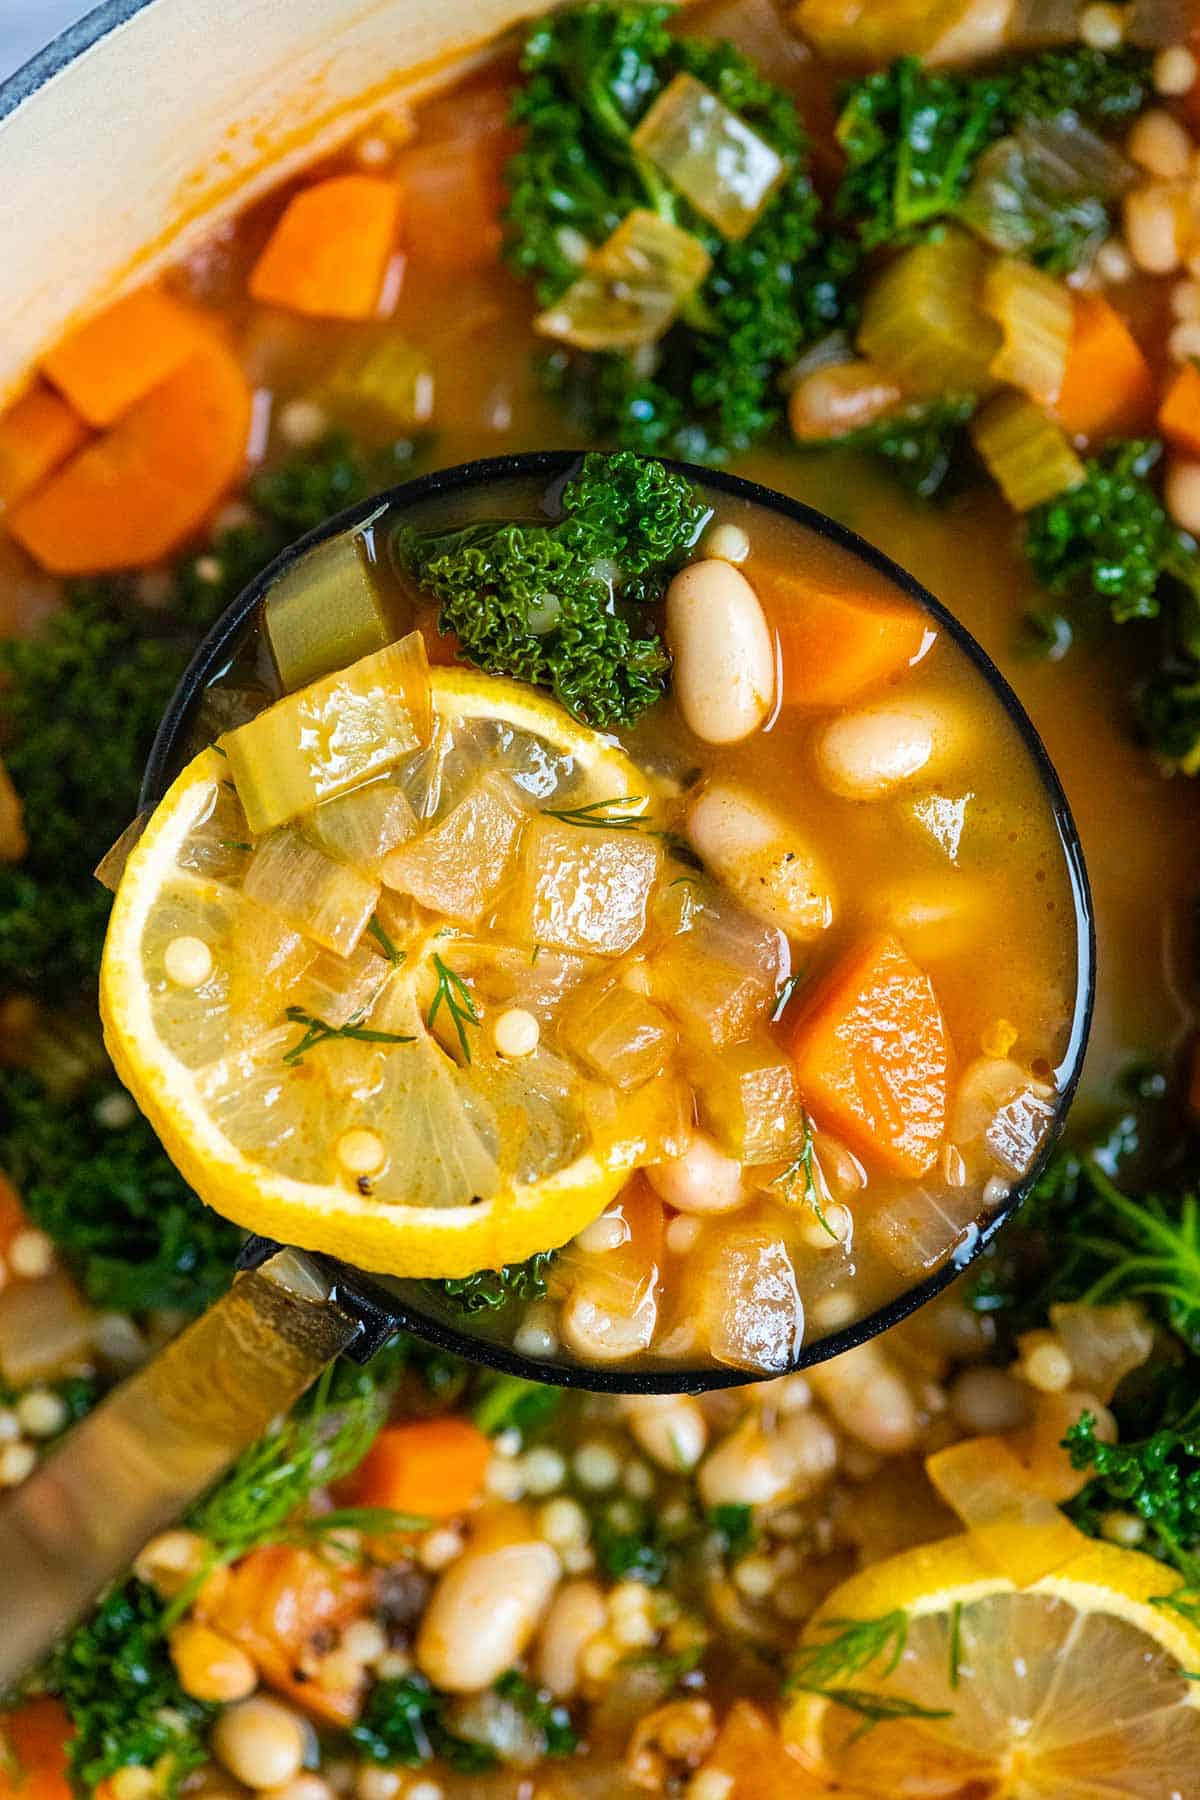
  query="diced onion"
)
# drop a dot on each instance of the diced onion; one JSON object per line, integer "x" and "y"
{"x": 752, "y": 1316}
{"x": 647, "y": 1125}
{"x": 457, "y": 867}
{"x": 1026, "y": 453}
{"x": 340, "y": 988}
{"x": 1104, "y": 1343}
{"x": 618, "y": 1035}
{"x": 706, "y": 150}
{"x": 1021, "y": 1532}
{"x": 361, "y": 827}
{"x": 748, "y": 1099}
{"x": 1036, "y": 315}
{"x": 631, "y": 289}
{"x": 1025, "y": 184}
{"x": 308, "y": 890}
{"x": 918, "y": 1229}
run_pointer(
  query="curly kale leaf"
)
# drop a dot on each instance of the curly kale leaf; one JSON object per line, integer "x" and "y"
{"x": 404, "y": 1721}
{"x": 923, "y": 445}
{"x": 563, "y": 605}
{"x": 1157, "y": 1477}
{"x": 489, "y": 1290}
{"x": 591, "y": 72}
{"x": 1104, "y": 89}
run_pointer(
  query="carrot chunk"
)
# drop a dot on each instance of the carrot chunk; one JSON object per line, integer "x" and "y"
{"x": 432, "y": 1467}
{"x": 751, "y": 1753}
{"x": 285, "y": 1607}
{"x": 834, "y": 645}
{"x": 1107, "y": 389}
{"x": 106, "y": 365}
{"x": 132, "y": 496}
{"x": 33, "y": 1751}
{"x": 1179, "y": 414}
{"x": 872, "y": 1056}
{"x": 329, "y": 252}
{"x": 37, "y": 433}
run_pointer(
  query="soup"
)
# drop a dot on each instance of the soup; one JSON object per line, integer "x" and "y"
{"x": 963, "y": 1554}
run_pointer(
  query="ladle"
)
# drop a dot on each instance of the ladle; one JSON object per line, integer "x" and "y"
{"x": 166, "y": 1434}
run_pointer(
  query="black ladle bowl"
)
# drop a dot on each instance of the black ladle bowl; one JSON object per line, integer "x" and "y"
{"x": 386, "y": 1305}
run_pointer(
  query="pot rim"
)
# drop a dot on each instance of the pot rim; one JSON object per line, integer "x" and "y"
{"x": 66, "y": 48}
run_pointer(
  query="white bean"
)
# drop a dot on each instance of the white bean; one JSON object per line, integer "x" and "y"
{"x": 1159, "y": 144}
{"x": 984, "y": 1400}
{"x": 724, "y": 658}
{"x": 752, "y": 1467}
{"x": 577, "y": 1614}
{"x": 702, "y": 1180}
{"x": 597, "y": 1326}
{"x": 1182, "y": 492}
{"x": 1152, "y": 228}
{"x": 868, "y": 1398}
{"x": 865, "y": 754}
{"x": 261, "y": 1742}
{"x": 762, "y": 859}
{"x": 484, "y": 1611}
{"x": 670, "y": 1428}
{"x": 831, "y": 403}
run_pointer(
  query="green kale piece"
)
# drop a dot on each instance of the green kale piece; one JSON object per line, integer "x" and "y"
{"x": 120, "y": 1689}
{"x": 403, "y": 1721}
{"x": 1110, "y": 538}
{"x": 925, "y": 445}
{"x": 488, "y": 1290}
{"x": 1157, "y": 1477}
{"x": 563, "y": 605}
{"x": 1104, "y": 89}
{"x": 507, "y": 1402}
{"x": 539, "y": 1709}
{"x": 1169, "y": 713}
{"x": 590, "y": 74}
{"x": 117, "y": 1208}
{"x": 734, "y": 1526}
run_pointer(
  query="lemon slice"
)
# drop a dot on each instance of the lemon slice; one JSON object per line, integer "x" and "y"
{"x": 1072, "y": 1688}
{"x": 387, "y": 1146}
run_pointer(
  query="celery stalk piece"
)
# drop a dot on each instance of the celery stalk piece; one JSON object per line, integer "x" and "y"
{"x": 458, "y": 866}
{"x": 632, "y": 287}
{"x": 923, "y": 319}
{"x": 321, "y": 898}
{"x": 325, "y": 612}
{"x": 361, "y": 827}
{"x": 710, "y": 154}
{"x": 583, "y": 890}
{"x": 381, "y": 390}
{"x": 1026, "y": 453}
{"x": 748, "y": 1098}
{"x": 617, "y": 1035}
{"x": 1036, "y": 315}
{"x": 331, "y": 736}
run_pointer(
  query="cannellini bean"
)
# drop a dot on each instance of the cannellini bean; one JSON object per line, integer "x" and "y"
{"x": 1175, "y": 70}
{"x": 752, "y": 1467}
{"x": 1159, "y": 144}
{"x": 702, "y": 1180}
{"x": 724, "y": 659}
{"x": 868, "y": 1397}
{"x": 596, "y": 1326}
{"x": 261, "y": 1742}
{"x": 669, "y": 1427}
{"x": 484, "y": 1612}
{"x": 1152, "y": 228}
{"x": 1181, "y": 491}
{"x": 865, "y": 754}
{"x": 985, "y": 1400}
{"x": 763, "y": 860}
{"x": 829, "y": 403}
{"x": 577, "y": 1614}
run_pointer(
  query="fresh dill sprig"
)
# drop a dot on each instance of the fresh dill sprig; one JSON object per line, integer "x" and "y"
{"x": 456, "y": 996}
{"x": 805, "y": 1167}
{"x": 394, "y": 955}
{"x": 829, "y": 1667}
{"x": 956, "y": 1643}
{"x": 784, "y": 995}
{"x": 319, "y": 1031}
{"x": 612, "y": 814}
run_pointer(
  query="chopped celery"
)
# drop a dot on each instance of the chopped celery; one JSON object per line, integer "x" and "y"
{"x": 382, "y": 390}
{"x": 1026, "y": 453}
{"x": 331, "y": 736}
{"x": 748, "y": 1098}
{"x": 457, "y": 867}
{"x": 328, "y": 902}
{"x": 584, "y": 890}
{"x": 923, "y": 319}
{"x": 325, "y": 612}
{"x": 336, "y": 989}
{"x": 1036, "y": 315}
{"x": 361, "y": 827}
{"x": 707, "y": 151}
{"x": 618, "y": 1035}
{"x": 631, "y": 289}
{"x": 874, "y": 31}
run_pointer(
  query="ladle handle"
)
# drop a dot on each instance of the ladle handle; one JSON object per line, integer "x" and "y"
{"x": 155, "y": 1444}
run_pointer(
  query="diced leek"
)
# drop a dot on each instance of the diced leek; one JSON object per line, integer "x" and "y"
{"x": 458, "y": 866}
{"x": 923, "y": 319}
{"x": 721, "y": 971}
{"x": 916, "y": 1229}
{"x": 631, "y": 289}
{"x": 584, "y": 890}
{"x": 1026, "y": 453}
{"x": 382, "y": 390}
{"x": 361, "y": 827}
{"x": 748, "y": 1099}
{"x": 1036, "y": 315}
{"x": 747, "y": 1303}
{"x": 325, "y": 612}
{"x": 340, "y": 988}
{"x": 331, "y": 736}
{"x": 328, "y": 902}
{"x": 706, "y": 150}
{"x": 616, "y": 1034}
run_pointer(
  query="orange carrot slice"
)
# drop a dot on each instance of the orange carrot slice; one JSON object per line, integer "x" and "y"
{"x": 106, "y": 365}
{"x": 834, "y": 644}
{"x": 1107, "y": 389}
{"x": 750, "y": 1752}
{"x": 431, "y": 1467}
{"x": 1179, "y": 414}
{"x": 329, "y": 252}
{"x": 33, "y": 1751}
{"x": 37, "y": 433}
{"x": 872, "y": 1057}
{"x": 135, "y": 494}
